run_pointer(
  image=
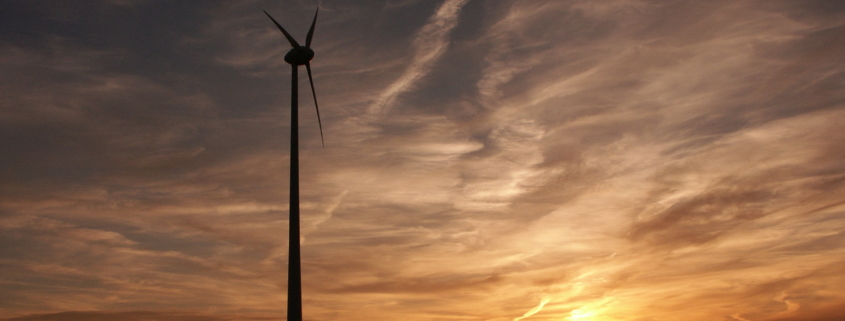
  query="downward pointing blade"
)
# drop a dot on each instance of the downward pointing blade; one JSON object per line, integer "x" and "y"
{"x": 292, "y": 41}
{"x": 311, "y": 31}
{"x": 320, "y": 122}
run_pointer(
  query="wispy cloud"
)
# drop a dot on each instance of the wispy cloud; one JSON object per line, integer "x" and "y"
{"x": 430, "y": 42}
{"x": 533, "y": 310}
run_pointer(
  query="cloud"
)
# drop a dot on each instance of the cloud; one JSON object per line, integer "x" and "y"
{"x": 534, "y": 310}
{"x": 826, "y": 313}
{"x": 129, "y": 316}
{"x": 430, "y": 42}
{"x": 618, "y": 159}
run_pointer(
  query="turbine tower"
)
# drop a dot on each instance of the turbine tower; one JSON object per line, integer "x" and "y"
{"x": 297, "y": 56}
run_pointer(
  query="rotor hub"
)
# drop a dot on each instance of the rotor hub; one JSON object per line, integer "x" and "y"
{"x": 299, "y": 56}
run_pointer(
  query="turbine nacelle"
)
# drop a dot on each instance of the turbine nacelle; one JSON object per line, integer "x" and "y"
{"x": 299, "y": 56}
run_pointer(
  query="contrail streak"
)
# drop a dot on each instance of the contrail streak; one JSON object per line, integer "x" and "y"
{"x": 430, "y": 43}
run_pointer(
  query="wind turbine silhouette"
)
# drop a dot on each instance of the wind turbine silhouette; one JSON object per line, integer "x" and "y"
{"x": 297, "y": 56}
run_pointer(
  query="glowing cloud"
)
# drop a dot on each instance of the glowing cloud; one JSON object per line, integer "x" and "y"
{"x": 534, "y": 310}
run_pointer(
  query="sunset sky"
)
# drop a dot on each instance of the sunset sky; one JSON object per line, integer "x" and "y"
{"x": 485, "y": 160}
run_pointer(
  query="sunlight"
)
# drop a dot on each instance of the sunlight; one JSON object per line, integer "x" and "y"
{"x": 579, "y": 314}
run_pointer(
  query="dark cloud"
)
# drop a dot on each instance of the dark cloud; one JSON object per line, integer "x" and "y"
{"x": 130, "y": 316}
{"x": 704, "y": 217}
{"x": 829, "y": 313}
{"x": 429, "y": 284}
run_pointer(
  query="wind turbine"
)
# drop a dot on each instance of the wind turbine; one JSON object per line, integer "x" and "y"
{"x": 297, "y": 56}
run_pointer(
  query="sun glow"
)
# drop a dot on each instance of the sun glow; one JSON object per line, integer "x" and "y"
{"x": 579, "y": 314}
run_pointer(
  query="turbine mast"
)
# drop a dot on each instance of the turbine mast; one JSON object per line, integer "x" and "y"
{"x": 298, "y": 55}
{"x": 294, "y": 268}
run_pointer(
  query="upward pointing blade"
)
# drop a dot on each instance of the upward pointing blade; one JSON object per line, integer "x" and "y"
{"x": 292, "y": 41}
{"x": 311, "y": 31}
{"x": 320, "y": 122}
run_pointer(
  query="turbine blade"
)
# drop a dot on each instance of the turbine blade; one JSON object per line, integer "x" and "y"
{"x": 292, "y": 41}
{"x": 320, "y": 122}
{"x": 311, "y": 31}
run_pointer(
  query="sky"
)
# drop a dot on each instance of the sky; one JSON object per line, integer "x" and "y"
{"x": 484, "y": 160}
